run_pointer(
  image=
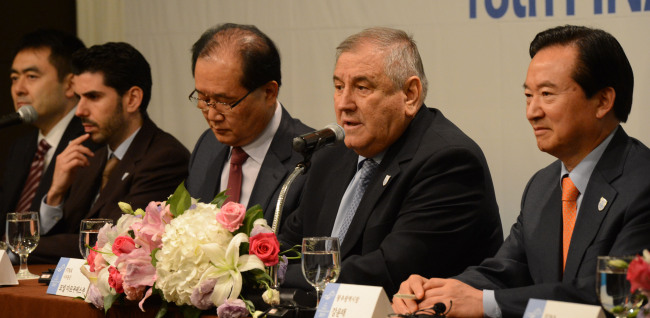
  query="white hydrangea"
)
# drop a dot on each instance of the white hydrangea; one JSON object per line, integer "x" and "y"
{"x": 181, "y": 261}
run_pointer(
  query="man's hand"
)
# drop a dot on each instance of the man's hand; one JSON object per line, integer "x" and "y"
{"x": 467, "y": 301}
{"x": 414, "y": 285}
{"x": 75, "y": 155}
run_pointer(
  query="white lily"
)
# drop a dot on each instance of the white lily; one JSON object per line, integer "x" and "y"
{"x": 227, "y": 266}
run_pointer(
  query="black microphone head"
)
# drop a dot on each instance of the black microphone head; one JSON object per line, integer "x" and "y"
{"x": 28, "y": 114}
{"x": 338, "y": 131}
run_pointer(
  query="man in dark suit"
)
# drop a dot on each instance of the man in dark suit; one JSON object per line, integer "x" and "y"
{"x": 428, "y": 205}
{"x": 41, "y": 76}
{"x": 237, "y": 78}
{"x": 140, "y": 163}
{"x": 578, "y": 90}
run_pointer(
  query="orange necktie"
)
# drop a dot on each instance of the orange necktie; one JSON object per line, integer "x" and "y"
{"x": 569, "y": 210}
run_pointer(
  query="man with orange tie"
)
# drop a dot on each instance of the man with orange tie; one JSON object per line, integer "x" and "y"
{"x": 247, "y": 151}
{"x": 595, "y": 200}
{"x": 138, "y": 163}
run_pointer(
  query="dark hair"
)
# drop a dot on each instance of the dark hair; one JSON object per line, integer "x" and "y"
{"x": 259, "y": 56}
{"x": 122, "y": 66}
{"x": 601, "y": 62}
{"x": 61, "y": 46}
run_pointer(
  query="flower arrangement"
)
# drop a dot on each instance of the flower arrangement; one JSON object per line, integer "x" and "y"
{"x": 638, "y": 273}
{"x": 195, "y": 255}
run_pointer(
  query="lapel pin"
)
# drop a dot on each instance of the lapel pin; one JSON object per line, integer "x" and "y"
{"x": 386, "y": 180}
{"x": 126, "y": 174}
{"x": 602, "y": 203}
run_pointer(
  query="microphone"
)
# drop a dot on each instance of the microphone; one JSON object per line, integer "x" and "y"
{"x": 310, "y": 142}
{"x": 25, "y": 115}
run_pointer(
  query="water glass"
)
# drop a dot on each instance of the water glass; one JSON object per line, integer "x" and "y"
{"x": 23, "y": 233}
{"x": 88, "y": 233}
{"x": 613, "y": 288}
{"x": 321, "y": 263}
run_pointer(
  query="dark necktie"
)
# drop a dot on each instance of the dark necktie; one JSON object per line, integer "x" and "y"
{"x": 34, "y": 177}
{"x": 569, "y": 210}
{"x": 237, "y": 159}
{"x": 108, "y": 168}
{"x": 367, "y": 171}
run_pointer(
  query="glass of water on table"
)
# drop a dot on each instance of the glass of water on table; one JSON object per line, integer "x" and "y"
{"x": 88, "y": 234}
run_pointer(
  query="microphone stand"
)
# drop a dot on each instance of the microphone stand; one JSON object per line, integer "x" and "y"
{"x": 301, "y": 168}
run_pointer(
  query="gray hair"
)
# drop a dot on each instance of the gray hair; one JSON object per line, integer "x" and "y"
{"x": 402, "y": 59}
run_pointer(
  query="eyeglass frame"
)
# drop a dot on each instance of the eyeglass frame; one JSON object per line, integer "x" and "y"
{"x": 213, "y": 104}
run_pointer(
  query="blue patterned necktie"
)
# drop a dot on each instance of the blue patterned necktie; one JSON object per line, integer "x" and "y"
{"x": 367, "y": 171}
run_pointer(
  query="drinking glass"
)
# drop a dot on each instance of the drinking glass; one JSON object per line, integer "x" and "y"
{"x": 613, "y": 288}
{"x": 321, "y": 262}
{"x": 23, "y": 233}
{"x": 88, "y": 233}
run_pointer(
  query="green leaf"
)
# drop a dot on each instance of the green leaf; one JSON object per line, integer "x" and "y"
{"x": 252, "y": 214}
{"x": 162, "y": 311}
{"x": 219, "y": 199}
{"x": 154, "y": 261}
{"x": 249, "y": 305}
{"x": 190, "y": 312}
{"x": 109, "y": 300}
{"x": 617, "y": 263}
{"x": 180, "y": 201}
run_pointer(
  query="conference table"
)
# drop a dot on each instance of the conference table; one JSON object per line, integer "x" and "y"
{"x": 30, "y": 299}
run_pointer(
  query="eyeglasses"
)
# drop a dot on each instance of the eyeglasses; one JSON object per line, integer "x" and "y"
{"x": 205, "y": 104}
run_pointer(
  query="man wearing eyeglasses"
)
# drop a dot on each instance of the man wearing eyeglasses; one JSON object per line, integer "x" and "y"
{"x": 247, "y": 151}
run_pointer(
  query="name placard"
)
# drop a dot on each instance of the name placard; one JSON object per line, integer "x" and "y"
{"x": 358, "y": 301}
{"x": 7, "y": 274}
{"x": 68, "y": 280}
{"x": 538, "y": 308}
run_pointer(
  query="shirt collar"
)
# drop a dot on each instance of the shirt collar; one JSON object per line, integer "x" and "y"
{"x": 257, "y": 149}
{"x": 582, "y": 172}
{"x": 376, "y": 159}
{"x": 123, "y": 147}
{"x": 56, "y": 133}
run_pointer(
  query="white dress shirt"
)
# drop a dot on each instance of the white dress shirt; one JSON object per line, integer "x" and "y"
{"x": 256, "y": 151}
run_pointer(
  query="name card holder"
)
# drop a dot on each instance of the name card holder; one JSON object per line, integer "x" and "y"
{"x": 538, "y": 308}
{"x": 68, "y": 280}
{"x": 353, "y": 301}
{"x": 7, "y": 273}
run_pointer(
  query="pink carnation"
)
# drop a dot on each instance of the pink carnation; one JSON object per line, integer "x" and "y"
{"x": 231, "y": 216}
{"x": 123, "y": 244}
{"x": 91, "y": 258}
{"x": 99, "y": 262}
{"x": 638, "y": 273}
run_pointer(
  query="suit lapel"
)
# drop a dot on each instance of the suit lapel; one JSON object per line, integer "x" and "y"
{"x": 121, "y": 174}
{"x": 273, "y": 171}
{"x": 212, "y": 182}
{"x": 599, "y": 197}
{"x": 546, "y": 241}
{"x": 341, "y": 173}
{"x": 401, "y": 152}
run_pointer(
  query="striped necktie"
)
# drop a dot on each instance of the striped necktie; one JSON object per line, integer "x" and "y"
{"x": 34, "y": 178}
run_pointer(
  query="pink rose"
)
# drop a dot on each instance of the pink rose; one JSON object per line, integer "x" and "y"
{"x": 123, "y": 244}
{"x": 115, "y": 279}
{"x": 638, "y": 273}
{"x": 99, "y": 262}
{"x": 266, "y": 247}
{"x": 231, "y": 216}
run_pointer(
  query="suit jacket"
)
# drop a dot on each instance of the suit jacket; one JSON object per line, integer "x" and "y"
{"x": 19, "y": 161}
{"x": 529, "y": 264}
{"x": 151, "y": 169}
{"x": 209, "y": 157}
{"x": 430, "y": 208}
